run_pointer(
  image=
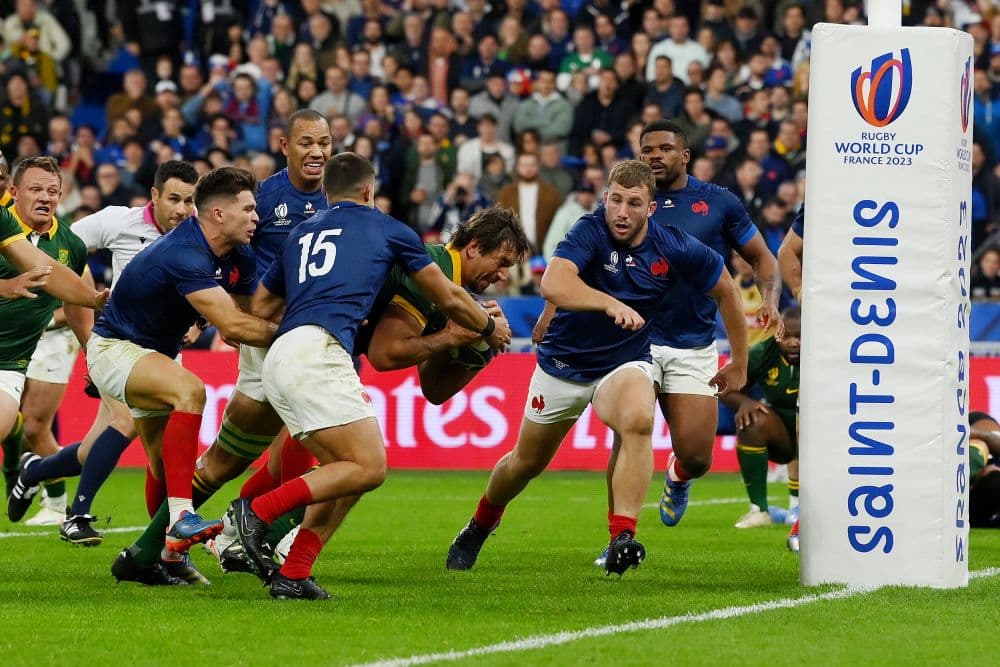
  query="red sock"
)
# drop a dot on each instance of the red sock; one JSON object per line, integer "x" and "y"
{"x": 285, "y": 498}
{"x": 487, "y": 514}
{"x": 259, "y": 483}
{"x": 675, "y": 470}
{"x": 156, "y": 493}
{"x": 617, "y": 523}
{"x": 295, "y": 459}
{"x": 180, "y": 450}
{"x": 302, "y": 555}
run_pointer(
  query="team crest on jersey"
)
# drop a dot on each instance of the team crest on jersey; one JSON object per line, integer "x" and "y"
{"x": 218, "y": 273}
{"x": 63, "y": 256}
{"x": 660, "y": 267}
{"x": 309, "y": 208}
{"x": 700, "y": 207}
{"x": 281, "y": 214}
{"x": 772, "y": 376}
{"x": 629, "y": 261}
{"x": 668, "y": 203}
{"x": 612, "y": 265}
{"x": 234, "y": 275}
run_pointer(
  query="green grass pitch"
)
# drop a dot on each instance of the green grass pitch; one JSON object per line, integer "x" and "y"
{"x": 394, "y": 599}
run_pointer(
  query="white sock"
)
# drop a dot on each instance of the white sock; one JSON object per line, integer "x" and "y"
{"x": 672, "y": 472}
{"x": 57, "y": 503}
{"x": 177, "y": 506}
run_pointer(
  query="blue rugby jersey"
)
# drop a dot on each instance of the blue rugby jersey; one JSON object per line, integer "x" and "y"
{"x": 585, "y": 346}
{"x": 332, "y": 267}
{"x": 281, "y": 207}
{"x": 717, "y": 218}
{"x": 149, "y": 306}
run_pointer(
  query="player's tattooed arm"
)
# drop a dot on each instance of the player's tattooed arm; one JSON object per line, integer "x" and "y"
{"x": 765, "y": 267}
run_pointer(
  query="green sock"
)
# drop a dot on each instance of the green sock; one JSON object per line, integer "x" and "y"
{"x": 55, "y": 489}
{"x": 753, "y": 467}
{"x": 283, "y": 525}
{"x": 147, "y": 548}
{"x": 12, "y": 451}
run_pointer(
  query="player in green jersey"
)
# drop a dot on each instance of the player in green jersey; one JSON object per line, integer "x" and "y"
{"x": 768, "y": 429}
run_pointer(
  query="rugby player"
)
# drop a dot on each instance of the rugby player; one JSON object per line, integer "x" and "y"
{"x": 768, "y": 429}
{"x": 190, "y": 273}
{"x": 608, "y": 279}
{"x": 124, "y": 231}
{"x": 325, "y": 295}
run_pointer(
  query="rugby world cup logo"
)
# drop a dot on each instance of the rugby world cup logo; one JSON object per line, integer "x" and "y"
{"x": 881, "y": 94}
{"x": 966, "y": 94}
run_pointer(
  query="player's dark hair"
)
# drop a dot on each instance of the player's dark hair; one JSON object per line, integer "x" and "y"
{"x": 222, "y": 182}
{"x": 346, "y": 175}
{"x": 633, "y": 174}
{"x": 792, "y": 313}
{"x": 304, "y": 115}
{"x": 182, "y": 171}
{"x": 492, "y": 228}
{"x": 43, "y": 162}
{"x": 667, "y": 126}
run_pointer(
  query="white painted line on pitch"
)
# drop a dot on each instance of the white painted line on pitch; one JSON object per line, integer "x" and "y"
{"x": 556, "y": 639}
{"x": 40, "y": 533}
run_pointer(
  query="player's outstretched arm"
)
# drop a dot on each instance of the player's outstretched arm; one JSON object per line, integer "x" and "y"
{"x": 79, "y": 318}
{"x": 790, "y": 261}
{"x": 456, "y": 303}
{"x": 563, "y": 287}
{"x": 765, "y": 266}
{"x": 396, "y": 341}
{"x": 20, "y": 286}
{"x": 216, "y": 306}
{"x": 732, "y": 376}
{"x": 63, "y": 284}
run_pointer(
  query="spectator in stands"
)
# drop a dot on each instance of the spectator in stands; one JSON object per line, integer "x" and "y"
{"x": 21, "y": 114}
{"x": 444, "y": 65}
{"x": 551, "y": 169}
{"x": 773, "y": 223}
{"x": 695, "y": 118}
{"x": 585, "y": 57}
{"x": 756, "y": 115}
{"x": 985, "y": 282}
{"x": 247, "y": 104}
{"x": 424, "y": 180}
{"x": 38, "y": 67}
{"x": 459, "y": 201}
{"x": 789, "y": 147}
{"x": 60, "y": 133}
{"x": 322, "y": 38}
{"x": 132, "y": 96}
{"x": 753, "y": 75}
{"x": 337, "y": 98}
{"x": 495, "y": 176}
{"x": 714, "y": 18}
{"x": 371, "y": 10}
{"x": 557, "y": 29}
{"x": 412, "y": 51}
{"x": 717, "y": 99}
{"x": 539, "y": 56}
{"x": 535, "y": 201}
{"x": 546, "y": 111}
{"x": 746, "y": 30}
{"x": 796, "y": 40}
{"x": 632, "y": 86}
{"x": 607, "y": 35}
{"x": 109, "y": 184}
{"x": 579, "y": 202}
{"x": 497, "y": 101}
{"x": 483, "y": 65}
{"x": 727, "y": 57}
{"x": 52, "y": 38}
{"x": 303, "y": 66}
{"x": 985, "y": 199}
{"x": 665, "y": 90}
{"x": 985, "y": 110}
{"x": 341, "y": 133}
{"x": 800, "y": 82}
{"x": 640, "y": 47}
{"x": 601, "y": 116}
{"x": 746, "y": 181}
{"x": 703, "y": 168}
{"x": 461, "y": 125}
{"x": 135, "y": 173}
{"x": 679, "y": 48}
{"x": 513, "y": 41}
{"x": 474, "y": 153}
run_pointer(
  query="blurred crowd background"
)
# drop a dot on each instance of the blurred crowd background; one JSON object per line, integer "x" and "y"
{"x": 458, "y": 103}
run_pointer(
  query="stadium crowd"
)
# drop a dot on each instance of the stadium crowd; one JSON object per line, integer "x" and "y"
{"x": 459, "y": 103}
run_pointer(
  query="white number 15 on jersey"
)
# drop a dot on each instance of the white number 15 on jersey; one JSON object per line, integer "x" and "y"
{"x": 318, "y": 266}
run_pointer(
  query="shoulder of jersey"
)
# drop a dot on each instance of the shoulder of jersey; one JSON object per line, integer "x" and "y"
{"x": 272, "y": 183}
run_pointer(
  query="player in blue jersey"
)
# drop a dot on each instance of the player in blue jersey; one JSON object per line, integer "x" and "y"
{"x": 249, "y": 424}
{"x": 684, "y": 352}
{"x": 608, "y": 279}
{"x": 201, "y": 269}
{"x": 326, "y": 279}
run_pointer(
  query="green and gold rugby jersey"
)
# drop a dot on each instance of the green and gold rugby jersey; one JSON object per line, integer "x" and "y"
{"x": 778, "y": 379}
{"x": 22, "y": 321}
{"x": 400, "y": 290}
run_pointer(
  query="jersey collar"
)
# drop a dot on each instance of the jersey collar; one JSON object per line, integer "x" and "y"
{"x": 456, "y": 264}
{"x": 28, "y": 231}
{"x": 149, "y": 218}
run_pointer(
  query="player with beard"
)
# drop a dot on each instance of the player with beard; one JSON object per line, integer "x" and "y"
{"x": 609, "y": 278}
